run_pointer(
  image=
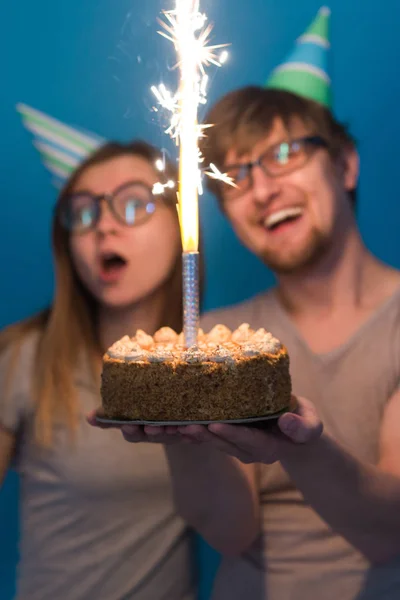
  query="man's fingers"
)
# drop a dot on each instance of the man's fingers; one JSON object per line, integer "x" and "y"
{"x": 153, "y": 430}
{"x": 303, "y": 425}
{"x": 201, "y": 434}
{"x": 133, "y": 433}
{"x": 161, "y": 435}
{"x": 253, "y": 444}
{"x": 195, "y": 432}
{"x": 243, "y": 437}
{"x": 304, "y": 407}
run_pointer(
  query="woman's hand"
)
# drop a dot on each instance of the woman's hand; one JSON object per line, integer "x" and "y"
{"x": 139, "y": 433}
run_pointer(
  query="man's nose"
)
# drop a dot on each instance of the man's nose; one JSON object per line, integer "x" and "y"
{"x": 265, "y": 188}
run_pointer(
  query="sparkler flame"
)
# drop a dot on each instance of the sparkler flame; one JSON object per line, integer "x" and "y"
{"x": 186, "y": 28}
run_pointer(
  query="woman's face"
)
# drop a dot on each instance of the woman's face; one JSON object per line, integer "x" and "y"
{"x": 121, "y": 264}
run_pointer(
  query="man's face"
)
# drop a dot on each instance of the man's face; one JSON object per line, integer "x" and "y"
{"x": 290, "y": 221}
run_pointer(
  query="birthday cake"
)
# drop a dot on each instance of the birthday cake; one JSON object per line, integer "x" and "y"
{"x": 227, "y": 375}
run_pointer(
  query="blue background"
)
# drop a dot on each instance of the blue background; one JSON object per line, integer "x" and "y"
{"x": 91, "y": 63}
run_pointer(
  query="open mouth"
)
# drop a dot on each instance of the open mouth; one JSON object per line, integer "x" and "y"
{"x": 111, "y": 265}
{"x": 282, "y": 217}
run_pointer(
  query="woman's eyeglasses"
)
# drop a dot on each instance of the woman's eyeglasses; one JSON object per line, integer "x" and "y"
{"x": 131, "y": 204}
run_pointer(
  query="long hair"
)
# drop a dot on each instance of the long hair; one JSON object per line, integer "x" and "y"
{"x": 67, "y": 330}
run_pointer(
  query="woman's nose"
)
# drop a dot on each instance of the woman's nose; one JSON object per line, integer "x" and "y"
{"x": 106, "y": 222}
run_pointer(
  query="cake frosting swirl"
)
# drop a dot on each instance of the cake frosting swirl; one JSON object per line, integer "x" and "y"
{"x": 219, "y": 345}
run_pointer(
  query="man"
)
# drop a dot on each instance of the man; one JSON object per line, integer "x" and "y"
{"x": 337, "y": 308}
{"x": 328, "y": 505}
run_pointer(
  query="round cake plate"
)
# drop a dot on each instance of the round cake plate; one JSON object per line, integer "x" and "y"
{"x": 250, "y": 421}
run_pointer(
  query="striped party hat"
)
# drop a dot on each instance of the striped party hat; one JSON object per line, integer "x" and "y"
{"x": 305, "y": 71}
{"x": 61, "y": 147}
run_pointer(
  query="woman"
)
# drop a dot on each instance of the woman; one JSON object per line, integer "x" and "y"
{"x": 97, "y": 516}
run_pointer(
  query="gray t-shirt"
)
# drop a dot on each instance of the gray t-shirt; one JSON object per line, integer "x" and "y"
{"x": 97, "y": 516}
{"x": 299, "y": 557}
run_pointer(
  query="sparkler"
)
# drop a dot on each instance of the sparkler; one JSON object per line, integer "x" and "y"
{"x": 189, "y": 32}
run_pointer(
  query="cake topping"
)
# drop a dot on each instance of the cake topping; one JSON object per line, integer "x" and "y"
{"x": 265, "y": 341}
{"x": 219, "y": 334}
{"x": 260, "y": 335}
{"x": 220, "y": 354}
{"x": 209, "y": 345}
{"x": 242, "y": 334}
{"x": 170, "y": 347}
{"x": 204, "y": 346}
{"x": 144, "y": 340}
{"x": 166, "y": 335}
{"x": 232, "y": 347}
{"x": 270, "y": 345}
{"x": 124, "y": 341}
{"x": 194, "y": 355}
{"x": 136, "y": 355}
{"x": 126, "y": 349}
{"x": 220, "y": 345}
{"x": 160, "y": 355}
{"x": 250, "y": 350}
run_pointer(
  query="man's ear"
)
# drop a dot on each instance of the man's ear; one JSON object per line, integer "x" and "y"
{"x": 349, "y": 164}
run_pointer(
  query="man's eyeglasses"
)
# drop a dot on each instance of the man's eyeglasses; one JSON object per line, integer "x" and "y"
{"x": 131, "y": 204}
{"x": 279, "y": 159}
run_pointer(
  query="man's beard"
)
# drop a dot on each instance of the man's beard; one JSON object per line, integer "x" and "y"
{"x": 300, "y": 259}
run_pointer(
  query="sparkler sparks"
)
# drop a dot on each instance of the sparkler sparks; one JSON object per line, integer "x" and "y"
{"x": 175, "y": 31}
{"x": 215, "y": 173}
{"x": 189, "y": 32}
{"x": 159, "y": 188}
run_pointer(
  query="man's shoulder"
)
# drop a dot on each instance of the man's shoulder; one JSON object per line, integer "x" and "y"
{"x": 234, "y": 315}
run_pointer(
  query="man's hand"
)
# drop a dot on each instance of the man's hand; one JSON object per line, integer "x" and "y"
{"x": 249, "y": 445}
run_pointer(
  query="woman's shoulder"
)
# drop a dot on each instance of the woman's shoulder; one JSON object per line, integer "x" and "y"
{"x": 19, "y": 343}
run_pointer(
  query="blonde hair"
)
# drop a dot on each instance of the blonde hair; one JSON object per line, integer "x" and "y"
{"x": 68, "y": 328}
